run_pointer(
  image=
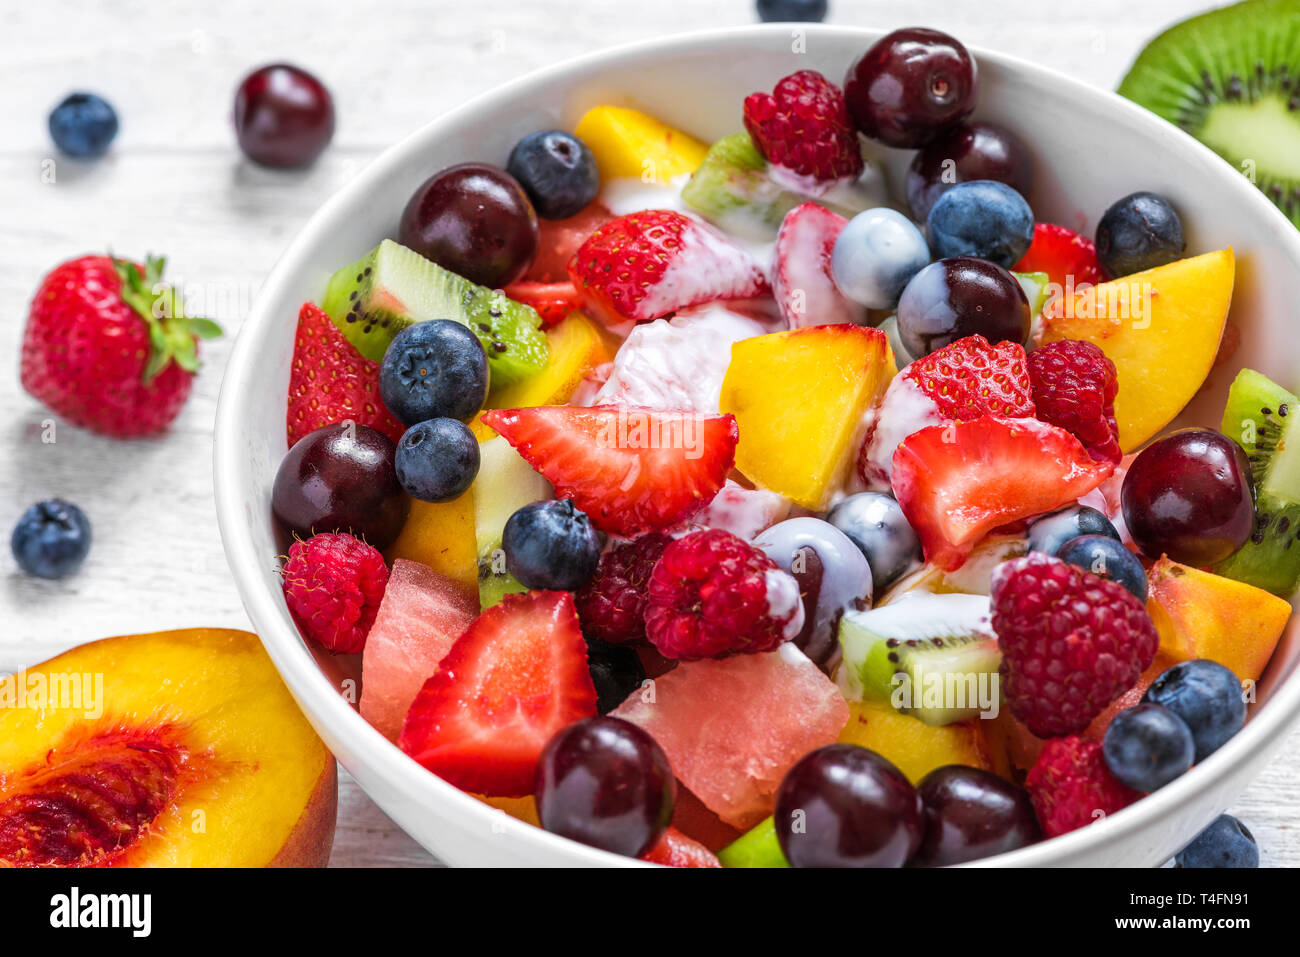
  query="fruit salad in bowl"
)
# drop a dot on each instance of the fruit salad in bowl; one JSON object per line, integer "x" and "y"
{"x": 823, "y": 471}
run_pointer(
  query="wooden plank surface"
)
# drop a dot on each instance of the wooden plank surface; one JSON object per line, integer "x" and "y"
{"x": 175, "y": 184}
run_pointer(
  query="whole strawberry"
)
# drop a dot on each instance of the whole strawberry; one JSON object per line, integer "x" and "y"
{"x": 108, "y": 347}
{"x": 333, "y": 584}
{"x": 1070, "y": 786}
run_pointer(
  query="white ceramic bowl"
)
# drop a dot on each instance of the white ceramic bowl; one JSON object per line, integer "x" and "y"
{"x": 1090, "y": 147}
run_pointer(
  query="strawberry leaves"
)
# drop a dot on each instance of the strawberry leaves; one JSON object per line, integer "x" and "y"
{"x": 172, "y": 334}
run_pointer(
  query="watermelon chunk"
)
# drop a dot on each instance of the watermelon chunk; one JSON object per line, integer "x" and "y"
{"x": 733, "y": 727}
{"x": 420, "y": 618}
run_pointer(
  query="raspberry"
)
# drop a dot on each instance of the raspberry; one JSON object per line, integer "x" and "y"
{"x": 333, "y": 584}
{"x": 803, "y": 125}
{"x": 1075, "y": 384}
{"x": 1071, "y": 786}
{"x": 612, "y": 605}
{"x": 713, "y": 595}
{"x": 1071, "y": 642}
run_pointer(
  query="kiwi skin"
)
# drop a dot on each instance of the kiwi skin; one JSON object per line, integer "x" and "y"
{"x": 1231, "y": 78}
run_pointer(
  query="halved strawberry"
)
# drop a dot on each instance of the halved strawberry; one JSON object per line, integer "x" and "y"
{"x": 675, "y": 849}
{"x": 552, "y": 300}
{"x": 559, "y": 239}
{"x": 1069, "y": 259}
{"x": 631, "y": 470}
{"x": 801, "y": 269}
{"x": 330, "y": 381}
{"x": 514, "y": 678}
{"x": 654, "y": 262}
{"x": 959, "y": 481}
{"x": 973, "y": 377}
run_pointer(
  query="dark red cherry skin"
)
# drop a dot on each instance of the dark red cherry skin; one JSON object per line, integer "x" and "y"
{"x": 910, "y": 86}
{"x": 475, "y": 220}
{"x": 1188, "y": 496}
{"x": 968, "y": 151}
{"x": 606, "y": 783}
{"x": 341, "y": 478}
{"x": 845, "y": 806}
{"x": 958, "y": 297}
{"x": 284, "y": 116}
{"x": 971, "y": 813}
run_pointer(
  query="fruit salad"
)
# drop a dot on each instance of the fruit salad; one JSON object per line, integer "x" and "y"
{"x": 711, "y": 505}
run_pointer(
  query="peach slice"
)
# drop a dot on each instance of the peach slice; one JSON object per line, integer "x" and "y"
{"x": 914, "y": 746}
{"x": 174, "y": 749}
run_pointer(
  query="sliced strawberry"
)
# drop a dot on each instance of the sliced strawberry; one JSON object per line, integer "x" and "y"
{"x": 514, "y": 678}
{"x": 552, "y": 300}
{"x": 801, "y": 271}
{"x": 329, "y": 381}
{"x": 630, "y": 470}
{"x": 654, "y": 262}
{"x": 675, "y": 849}
{"x": 957, "y": 482}
{"x": 559, "y": 239}
{"x": 971, "y": 377}
{"x": 1070, "y": 260}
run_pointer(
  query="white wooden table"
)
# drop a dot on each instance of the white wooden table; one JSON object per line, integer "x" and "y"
{"x": 174, "y": 183}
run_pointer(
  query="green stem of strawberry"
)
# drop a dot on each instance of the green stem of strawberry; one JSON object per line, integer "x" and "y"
{"x": 172, "y": 334}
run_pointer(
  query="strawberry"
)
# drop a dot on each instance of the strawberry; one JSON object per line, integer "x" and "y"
{"x": 108, "y": 347}
{"x": 801, "y": 272}
{"x": 514, "y": 678}
{"x": 654, "y": 262}
{"x": 1069, "y": 259}
{"x": 675, "y": 849}
{"x": 330, "y": 381}
{"x": 630, "y": 470}
{"x": 552, "y": 300}
{"x": 959, "y": 481}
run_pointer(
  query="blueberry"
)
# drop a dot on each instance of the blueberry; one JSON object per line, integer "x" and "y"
{"x": 1147, "y": 746}
{"x": 876, "y": 255}
{"x": 51, "y": 539}
{"x": 83, "y": 125}
{"x": 1207, "y": 696}
{"x": 981, "y": 218}
{"x": 616, "y": 671}
{"x": 1140, "y": 231}
{"x": 437, "y": 460}
{"x": 434, "y": 370}
{"x": 792, "y": 11}
{"x": 875, "y": 523}
{"x": 1225, "y": 843}
{"x": 1107, "y": 558}
{"x": 551, "y": 545}
{"x": 1049, "y": 533}
{"x": 557, "y": 171}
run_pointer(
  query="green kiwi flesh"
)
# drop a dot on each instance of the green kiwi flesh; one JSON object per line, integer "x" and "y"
{"x": 757, "y": 847}
{"x": 505, "y": 484}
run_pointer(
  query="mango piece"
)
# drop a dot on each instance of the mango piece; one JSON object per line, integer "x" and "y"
{"x": 523, "y": 808}
{"x": 441, "y": 535}
{"x": 914, "y": 746}
{"x": 798, "y": 398}
{"x": 628, "y": 144}
{"x": 194, "y": 750}
{"x": 1203, "y": 615}
{"x": 1161, "y": 328}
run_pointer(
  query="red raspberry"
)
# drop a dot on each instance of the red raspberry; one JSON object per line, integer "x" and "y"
{"x": 612, "y": 605}
{"x": 333, "y": 584}
{"x": 1075, "y": 384}
{"x": 803, "y": 125}
{"x": 1071, "y": 786}
{"x": 713, "y": 595}
{"x": 1071, "y": 642}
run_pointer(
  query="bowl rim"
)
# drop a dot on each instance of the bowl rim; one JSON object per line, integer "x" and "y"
{"x": 321, "y": 701}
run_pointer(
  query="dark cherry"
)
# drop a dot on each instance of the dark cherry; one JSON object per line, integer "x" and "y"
{"x": 1189, "y": 496}
{"x": 910, "y": 86}
{"x": 605, "y": 782}
{"x": 958, "y": 297}
{"x": 967, "y": 152}
{"x": 341, "y": 478}
{"x": 845, "y": 806}
{"x": 475, "y": 220}
{"x": 284, "y": 116}
{"x": 972, "y": 813}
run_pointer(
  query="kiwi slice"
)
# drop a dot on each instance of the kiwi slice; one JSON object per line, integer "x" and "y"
{"x": 1265, "y": 419}
{"x": 1035, "y": 286}
{"x": 505, "y": 483}
{"x": 934, "y": 657}
{"x": 393, "y": 287}
{"x": 1231, "y": 78}
{"x": 757, "y": 847}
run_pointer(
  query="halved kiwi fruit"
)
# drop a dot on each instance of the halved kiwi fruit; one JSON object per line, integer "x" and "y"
{"x": 1231, "y": 78}
{"x": 505, "y": 484}
{"x": 392, "y": 287}
{"x": 1264, "y": 419}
